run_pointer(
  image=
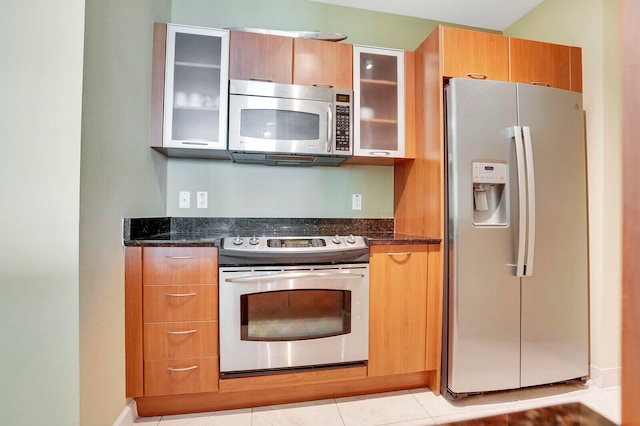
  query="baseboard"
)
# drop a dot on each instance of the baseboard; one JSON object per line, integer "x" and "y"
{"x": 606, "y": 377}
{"x": 128, "y": 415}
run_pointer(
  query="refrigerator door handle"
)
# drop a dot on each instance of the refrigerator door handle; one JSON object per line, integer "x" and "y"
{"x": 531, "y": 202}
{"x": 522, "y": 201}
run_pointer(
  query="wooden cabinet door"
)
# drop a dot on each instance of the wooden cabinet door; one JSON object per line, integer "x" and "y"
{"x": 576, "y": 69}
{"x": 546, "y": 64}
{"x": 474, "y": 54}
{"x": 180, "y": 302}
{"x": 322, "y": 63}
{"x": 262, "y": 57}
{"x": 180, "y": 265}
{"x": 397, "y": 309}
{"x": 178, "y": 376}
{"x": 164, "y": 340}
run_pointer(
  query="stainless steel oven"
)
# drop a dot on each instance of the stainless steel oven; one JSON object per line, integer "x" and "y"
{"x": 293, "y": 303}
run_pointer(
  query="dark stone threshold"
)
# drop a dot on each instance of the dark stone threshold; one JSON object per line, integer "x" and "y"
{"x": 572, "y": 414}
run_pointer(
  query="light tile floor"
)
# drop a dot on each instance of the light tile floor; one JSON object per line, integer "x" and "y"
{"x": 402, "y": 408}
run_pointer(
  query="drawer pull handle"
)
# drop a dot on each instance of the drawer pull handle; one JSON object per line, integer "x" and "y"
{"x": 182, "y": 332}
{"x": 477, "y": 76}
{"x": 180, "y": 257}
{"x": 193, "y": 367}
{"x": 406, "y": 253}
{"x": 541, "y": 83}
{"x": 181, "y": 294}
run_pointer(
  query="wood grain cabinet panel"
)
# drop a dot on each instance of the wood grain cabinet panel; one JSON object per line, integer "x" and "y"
{"x": 180, "y": 303}
{"x": 546, "y": 64}
{"x": 576, "y": 69}
{"x": 180, "y": 265}
{"x": 165, "y": 340}
{"x": 179, "y": 376}
{"x": 322, "y": 63}
{"x": 474, "y": 54}
{"x": 262, "y": 57}
{"x": 398, "y": 309}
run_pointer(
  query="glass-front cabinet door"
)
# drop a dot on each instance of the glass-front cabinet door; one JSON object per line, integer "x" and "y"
{"x": 378, "y": 82}
{"x": 196, "y": 88}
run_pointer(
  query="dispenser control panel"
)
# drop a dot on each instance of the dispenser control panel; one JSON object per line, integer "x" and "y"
{"x": 484, "y": 172}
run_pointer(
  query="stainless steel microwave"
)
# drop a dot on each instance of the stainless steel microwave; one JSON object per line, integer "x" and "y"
{"x": 287, "y": 124}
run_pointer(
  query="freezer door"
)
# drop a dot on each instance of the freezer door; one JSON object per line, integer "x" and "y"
{"x": 483, "y": 291}
{"x": 555, "y": 296}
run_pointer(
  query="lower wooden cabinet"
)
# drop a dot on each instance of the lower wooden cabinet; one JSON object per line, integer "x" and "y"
{"x": 397, "y": 309}
{"x": 171, "y": 333}
{"x": 171, "y": 309}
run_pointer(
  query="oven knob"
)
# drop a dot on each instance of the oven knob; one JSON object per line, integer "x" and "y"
{"x": 336, "y": 240}
{"x": 237, "y": 240}
{"x": 254, "y": 241}
{"x": 351, "y": 239}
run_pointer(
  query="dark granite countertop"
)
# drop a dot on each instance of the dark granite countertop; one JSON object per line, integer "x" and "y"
{"x": 209, "y": 231}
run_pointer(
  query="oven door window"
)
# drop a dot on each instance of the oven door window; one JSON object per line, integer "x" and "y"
{"x": 295, "y": 315}
{"x": 284, "y": 125}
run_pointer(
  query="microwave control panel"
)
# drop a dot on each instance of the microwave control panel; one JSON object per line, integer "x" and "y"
{"x": 343, "y": 122}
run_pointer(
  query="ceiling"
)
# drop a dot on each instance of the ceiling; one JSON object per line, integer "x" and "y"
{"x": 490, "y": 14}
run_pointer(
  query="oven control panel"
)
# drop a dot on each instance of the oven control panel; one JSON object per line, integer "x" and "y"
{"x": 293, "y": 244}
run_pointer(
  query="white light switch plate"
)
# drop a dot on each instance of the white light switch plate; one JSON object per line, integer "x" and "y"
{"x": 184, "y": 200}
{"x": 356, "y": 201}
{"x": 202, "y": 199}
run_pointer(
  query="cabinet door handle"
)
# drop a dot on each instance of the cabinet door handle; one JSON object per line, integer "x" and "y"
{"x": 540, "y": 83}
{"x": 194, "y": 143}
{"x": 380, "y": 153}
{"x": 180, "y": 257}
{"x": 180, "y": 294}
{"x": 193, "y": 367}
{"x": 404, "y": 253}
{"x": 477, "y": 75}
{"x": 182, "y": 332}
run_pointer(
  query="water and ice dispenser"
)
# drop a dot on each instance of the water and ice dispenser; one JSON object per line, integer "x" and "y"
{"x": 490, "y": 204}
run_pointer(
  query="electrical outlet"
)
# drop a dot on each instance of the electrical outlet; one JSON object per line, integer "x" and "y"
{"x": 356, "y": 201}
{"x": 202, "y": 199}
{"x": 184, "y": 199}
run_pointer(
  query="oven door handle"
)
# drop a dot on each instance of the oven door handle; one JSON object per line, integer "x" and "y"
{"x": 294, "y": 275}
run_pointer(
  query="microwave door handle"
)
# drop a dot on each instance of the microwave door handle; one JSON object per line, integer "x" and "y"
{"x": 329, "y": 128}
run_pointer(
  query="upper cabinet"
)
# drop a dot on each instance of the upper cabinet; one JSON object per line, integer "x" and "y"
{"x": 322, "y": 63}
{"x": 279, "y": 59}
{"x": 539, "y": 63}
{"x": 189, "y": 88}
{"x": 474, "y": 54}
{"x": 379, "y": 102}
{"x": 261, "y": 57}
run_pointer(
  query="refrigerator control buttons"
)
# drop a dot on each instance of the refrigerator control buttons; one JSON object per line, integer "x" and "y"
{"x": 489, "y": 172}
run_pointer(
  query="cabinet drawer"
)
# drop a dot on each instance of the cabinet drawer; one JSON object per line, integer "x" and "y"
{"x": 180, "y": 265}
{"x": 171, "y": 377}
{"x": 179, "y": 303}
{"x": 165, "y": 340}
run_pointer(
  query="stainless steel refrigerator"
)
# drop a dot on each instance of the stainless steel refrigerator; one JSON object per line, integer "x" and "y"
{"x": 517, "y": 256}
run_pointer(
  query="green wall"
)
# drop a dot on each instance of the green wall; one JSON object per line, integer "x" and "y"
{"x": 360, "y": 26}
{"x": 120, "y": 177}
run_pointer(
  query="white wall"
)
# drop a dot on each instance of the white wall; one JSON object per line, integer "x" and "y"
{"x": 593, "y": 25}
{"x": 40, "y": 110}
{"x": 120, "y": 177}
